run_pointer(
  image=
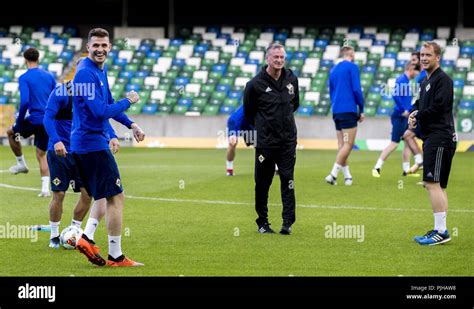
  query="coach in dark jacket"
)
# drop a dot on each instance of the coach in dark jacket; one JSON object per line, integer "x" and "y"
{"x": 433, "y": 111}
{"x": 270, "y": 100}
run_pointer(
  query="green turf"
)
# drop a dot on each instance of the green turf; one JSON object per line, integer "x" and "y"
{"x": 188, "y": 227}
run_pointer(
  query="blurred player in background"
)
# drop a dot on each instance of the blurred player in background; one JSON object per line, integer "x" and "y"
{"x": 410, "y": 135}
{"x": 35, "y": 86}
{"x": 238, "y": 126}
{"x": 347, "y": 102}
{"x": 402, "y": 95}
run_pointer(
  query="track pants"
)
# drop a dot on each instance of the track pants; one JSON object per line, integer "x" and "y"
{"x": 265, "y": 160}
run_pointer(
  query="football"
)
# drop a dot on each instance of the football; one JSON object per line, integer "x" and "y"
{"x": 69, "y": 236}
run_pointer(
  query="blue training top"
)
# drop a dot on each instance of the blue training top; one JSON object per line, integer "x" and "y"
{"x": 402, "y": 95}
{"x": 93, "y": 105}
{"x": 345, "y": 89}
{"x": 35, "y": 86}
{"x": 58, "y": 118}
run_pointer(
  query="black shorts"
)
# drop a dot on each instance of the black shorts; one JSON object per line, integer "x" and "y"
{"x": 63, "y": 172}
{"x": 99, "y": 173}
{"x": 345, "y": 120}
{"x": 437, "y": 164}
{"x": 27, "y": 129}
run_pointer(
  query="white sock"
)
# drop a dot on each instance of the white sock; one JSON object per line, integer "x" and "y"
{"x": 347, "y": 173}
{"x": 45, "y": 184}
{"x": 76, "y": 223}
{"x": 335, "y": 170}
{"x": 406, "y": 166}
{"x": 115, "y": 246}
{"x": 54, "y": 229}
{"x": 418, "y": 159}
{"x": 440, "y": 221}
{"x": 91, "y": 227}
{"x": 21, "y": 160}
{"x": 379, "y": 163}
{"x": 230, "y": 165}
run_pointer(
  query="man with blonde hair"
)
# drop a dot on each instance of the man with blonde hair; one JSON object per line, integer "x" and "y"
{"x": 433, "y": 111}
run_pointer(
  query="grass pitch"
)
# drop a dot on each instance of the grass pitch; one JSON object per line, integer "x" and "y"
{"x": 183, "y": 216}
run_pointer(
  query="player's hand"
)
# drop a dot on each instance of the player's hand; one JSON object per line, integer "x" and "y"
{"x": 405, "y": 114}
{"x": 133, "y": 97}
{"x": 361, "y": 117}
{"x": 412, "y": 120}
{"x": 138, "y": 133}
{"x": 114, "y": 145}
{"x": 60, "y": 149}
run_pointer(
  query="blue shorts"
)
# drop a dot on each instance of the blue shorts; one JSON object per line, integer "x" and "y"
{"x": 399, "y": 126}
{"x": 345, "y": 120}
{"x": 99, "y": 173}
{"x": 63, "y": 172}
{"x": 26, "y": 129}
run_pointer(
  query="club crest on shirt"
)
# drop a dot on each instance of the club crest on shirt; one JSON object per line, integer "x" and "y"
{"x": 291, "y": 89}
{"x": 428, "y": 87}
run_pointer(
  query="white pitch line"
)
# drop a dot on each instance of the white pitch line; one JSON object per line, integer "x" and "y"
{"x": 218, "y": 202}
{"x": 8, "y": 171}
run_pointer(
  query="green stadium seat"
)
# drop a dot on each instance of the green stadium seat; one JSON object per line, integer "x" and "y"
{"x": 210, "y": 110}
{"x": 180, "y": 109}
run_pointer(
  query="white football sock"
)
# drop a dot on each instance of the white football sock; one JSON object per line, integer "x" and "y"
{"x": 406, "y": 166}
{"x": 335, "y": 170}
{"x": 418, "y": 159}
{"x": 45, "y": 184}
{"x": 76, "y": 223}
{"x": 115, "y": 246}
{"x": 54, "y": 229}
{"x": 379, "y": 164}
{"x": 347, "y": 173}
{"x": 440, "y": 222}
{"x": 230, "y": 165}
{"x": 21, "y": 160}
{"x": 91, "y": 227}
